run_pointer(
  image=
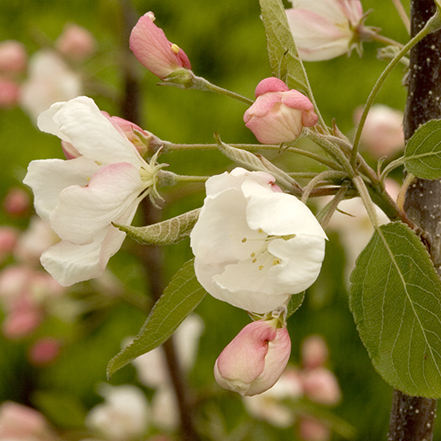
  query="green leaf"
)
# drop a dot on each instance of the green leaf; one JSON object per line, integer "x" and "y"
{"x": 283, "y": 56}
{"x": 295, "y": 302}
{"x": 396, "y": 302}
{"x": 167, "y": 232}
{"x": 422, "y": 155}
{"x": 180, "y": 298}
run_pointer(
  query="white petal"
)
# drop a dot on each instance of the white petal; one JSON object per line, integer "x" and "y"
{"x": 80, "y": 122}
{"x": 221, "y": 227}
{"x": 83, "y": 211}
{"x": 256, "y": 301}
{"x": 49, "y": 177}
{"x": 326, "y": 8}
{"x": 281, "y": 214}
{"x": 301, "y": 260}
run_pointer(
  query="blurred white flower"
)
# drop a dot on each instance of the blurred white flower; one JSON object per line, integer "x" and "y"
{"x": 124, "y": 415}
{"x": 49, "y": 80}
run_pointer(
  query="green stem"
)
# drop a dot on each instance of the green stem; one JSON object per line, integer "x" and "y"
{"x": 432, "y": 25}
{"x": 320, "y": 178}
{"x": 391, "y": 166}
{"x": 170, "y": 147}
{"x": 381, "y": 38}
{"x": 324, "y": 216}
{"x": 202, "y": 84}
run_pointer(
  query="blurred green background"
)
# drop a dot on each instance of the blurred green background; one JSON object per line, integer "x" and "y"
{"x": 225, "y": 42}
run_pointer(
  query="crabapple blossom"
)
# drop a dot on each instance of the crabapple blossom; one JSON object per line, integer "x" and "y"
{"x": 9, "y": 93}
{"x": 13, "y": 57}
{"x": 255, "y": 246}
{"x": 254, "y": 360}
{"x": 382, "y": 133}
{"x": 17, "y": 202}
{"x": 50, "y": 80}
{"x": 321, "y": 386}
{"x": 314, "y": 351}
{"x": 279, "y": 114}
{"x": 76, "y": 42}
{"x": 82, "y": 197}
{"x": 22, "y": 423}
{"x": 325, "y": 29}
{"x": 123, "y": 415}
{"x": 154, "y": 51}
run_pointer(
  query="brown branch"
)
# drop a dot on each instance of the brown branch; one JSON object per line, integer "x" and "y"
{"x": 412, "y": 418}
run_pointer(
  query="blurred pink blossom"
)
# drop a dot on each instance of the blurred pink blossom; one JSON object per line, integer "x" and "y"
{"x": 13, "y": 57}
{"x": 17, "y": 202}
{"x": 255, "y": 358}
{"x": 279, "y": 114}
{"x": 22, "y": 423}
{"x": 382, "y": 133}
{"x": 76, "y": 42}
{"x": 314, "y": 352}
{"x": 44, "y": 351}
{"x": 9, "y": 92}
{"x": 154, "y": 51}
{"x": 321, "y": 385}
{"x": 8, "y": 239}
{"x": 311, "y": 429}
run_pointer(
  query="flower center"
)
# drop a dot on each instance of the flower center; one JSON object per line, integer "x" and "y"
{"x": 261, "y": 256}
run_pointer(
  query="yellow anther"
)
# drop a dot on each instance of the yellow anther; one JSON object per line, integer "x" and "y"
{"x": 260, "y": 231}
{"x": 260, "y": 267}
{"x": 175, "y": 48}
{"x": 244, "y": 240}
{"x": 254, "y": 260}
{"x": 276, "y": 261}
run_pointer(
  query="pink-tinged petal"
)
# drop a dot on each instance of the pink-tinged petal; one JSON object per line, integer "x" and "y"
{"x": 280, "y": 214}
{"x": 271, "y": 84}
{"x": 309, "y": 118}
{"x": 48, "y": 177}
{"x": 296, "y": 100}
{"x": 69, "y": 263}
{"x": 83, "y": 211}
{"x": 80, "y": 122}
{"x": 254, "y": 360}
{"x": 13, "y": 56}
{"x": 353, "y": 10}
{"x": 153, "y": 50}
{"x": 262, "y": 106}
{"x": 317, "y": 37}
{"x": 331, "y": 9}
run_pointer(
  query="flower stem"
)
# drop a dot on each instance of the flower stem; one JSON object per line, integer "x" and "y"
{"x": 381, "y": 38}
{"x": 432, "y": 25}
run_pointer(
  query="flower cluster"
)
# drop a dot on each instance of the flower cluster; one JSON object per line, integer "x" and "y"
{"x": 82, "y": 197}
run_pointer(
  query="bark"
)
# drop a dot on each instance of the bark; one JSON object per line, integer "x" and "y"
{"x": 412, "y": 418}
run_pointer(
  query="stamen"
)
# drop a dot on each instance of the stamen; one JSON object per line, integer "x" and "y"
{"x": 175, "y": 48}
{"x": 276, "y": 261}
{"x": 260, "y": 267}
{"x": 244, "y": 240}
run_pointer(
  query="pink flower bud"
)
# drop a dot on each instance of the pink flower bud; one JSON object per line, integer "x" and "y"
{"x": 21, "y": 322}
{"x": 21, "y": 422}
{"x": 279, "y": 114}
{"x": 44, "y": 351}
{"x": 313, "y": 430}
{"x": 255, "y": 358}
{"x": 13, "y": 57}
{"x": 9, "y": 92}
{"x": 8, "y": 239}
{"x": 154, "y": 51}
{"x": 321, "y": 386}
{"x": 76, "y": 42}
{"x": 382, "y": 133}
{"x": 314, "y": 352}
{"x": 17, "y": 202}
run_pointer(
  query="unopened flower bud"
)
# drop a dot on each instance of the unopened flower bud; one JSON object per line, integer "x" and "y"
{"x": 255, "y": 358}
{"x": 313, "y": 430}
{"x": 314, "y": 352}
{"x": 154, "y": 51}
{"x": 13, "y": 57}
{"x": 17, "y": 202}
{"x": 321, "y": 386}
{"x": 76, "y": 42}
{"x": 9, "y": 93}
{"x": 279, "y": 114}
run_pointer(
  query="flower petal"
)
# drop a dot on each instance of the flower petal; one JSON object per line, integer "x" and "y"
{"x": 80, "y": 122}
{"x": 83, "y": 211}
{"x": 48, "y": 177}
{"x": 301, "y": 259}
{"x": 281, "y": 214}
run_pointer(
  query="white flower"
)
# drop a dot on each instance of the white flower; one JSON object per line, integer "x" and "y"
{"x": 325, "y": 29}
{"x": 50, "y": 80}
{"x": 124, "y": 414}
{"x": 81, "y": 197}
{"x": 255, "y": 246}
